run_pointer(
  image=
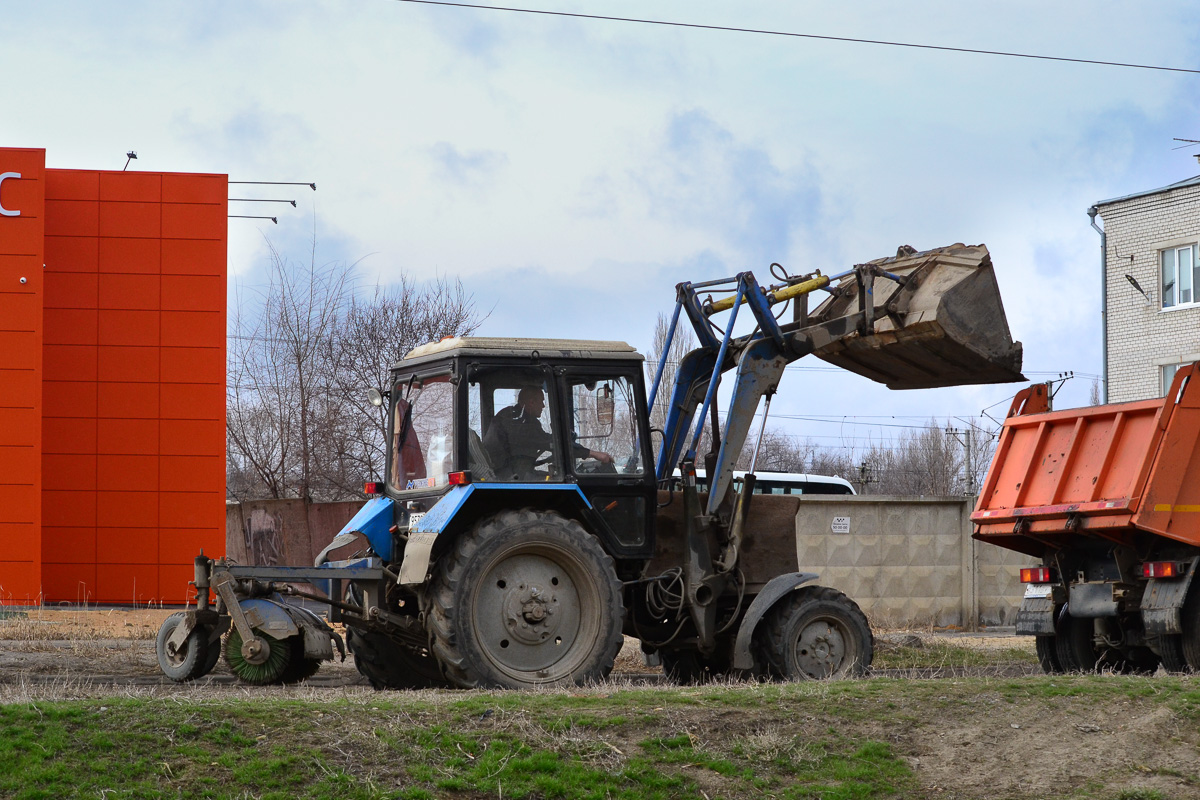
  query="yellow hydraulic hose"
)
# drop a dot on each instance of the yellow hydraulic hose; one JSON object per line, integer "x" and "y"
{"x": 778, "y": 296}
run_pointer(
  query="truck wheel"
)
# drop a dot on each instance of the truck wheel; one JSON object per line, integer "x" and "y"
{"x": 526, "y": 598}
{"x": 266, "y": 668}
{"x": 1190, "y": 639}
{"x": 1076, "y": 647}
{"x": 1170, "y": 649}
{"x": 1047, "y": 654}
{"x": 188, "y": 662}
{"x": 388, "y": 665}
{"x": 817, "y": 633}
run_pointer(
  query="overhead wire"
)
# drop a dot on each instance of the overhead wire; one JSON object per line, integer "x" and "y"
{"x": 797, "y": 35}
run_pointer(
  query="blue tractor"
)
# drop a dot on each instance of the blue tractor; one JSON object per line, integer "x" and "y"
{"x": 529, "y": 520}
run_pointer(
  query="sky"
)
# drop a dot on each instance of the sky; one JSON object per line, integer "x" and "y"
{"x": 570, "y": 172}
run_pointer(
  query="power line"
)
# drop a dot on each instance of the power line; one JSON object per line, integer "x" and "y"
{"x": 792, "y": 34}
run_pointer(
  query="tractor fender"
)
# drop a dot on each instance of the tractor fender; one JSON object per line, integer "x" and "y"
{"x": 374, "y": 521}
{"x": 463, "y": 505}
{"x": 776, "y": 589}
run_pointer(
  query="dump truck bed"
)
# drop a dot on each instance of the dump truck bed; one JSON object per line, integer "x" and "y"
{"x": 1109, "y": 470}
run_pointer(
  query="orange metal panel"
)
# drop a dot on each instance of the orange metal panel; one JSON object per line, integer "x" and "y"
{"x": 182, "y": 437}
{"x": 69, "y": 325}
{"x": 193, "y": 401}
{"x": 69, "y": 362}
{"x": 126, "y": 436}
{"x": 193, "y": 257}
{"x": 191, "y": 509}
{"x": 173, "y": 582}
{"x": 69, "y": 436}
{"x": 19, "y": 350}
{"x": 131, "y": 364}
{"x": 133, "y": 220}
{"x": 193, "y": 365}
{"x": 127, "y": 546}
{"x": 143, "y": 187}
{"x": 127, "y": 401}
{"x": 192, "y": 188}
{"x": 127, "y": 509}
{"x": 72, "y": 184}
{"x": 1171, "y": 505}
{"x": 193, "y": 221}
{"x": 183, "y": 328}
{"x": 120, "y": 291}
{"x": 68, "y": 508}
{"x": 193, "y": 473}
{"x": 70, "y": 290}
{"x": 72, "y": 253}
{"x": 17, "y": 386}
{"x": 127, "y": 473}
{"x": 75, "y": 471}
{"x": 129, "y": 327}
{"x": 20, "y": 311}
{"x": 20, "y": 541}
{"x": 72, "y": 218}
{"x": 181, "y": 545}
{"x": 68, "y": 399}
{"x": 120, "y": 255}
{"x": 16, "y": 425}
{"x": 126, "y": 583}
{"x": 70, "y": 583}
{"x": 69, "y": 545}
{"x": 19, "y": 503}
{"x": 193, "y": 293}
{"x": 18, "y": 465}
{"x": 20, "y": 583}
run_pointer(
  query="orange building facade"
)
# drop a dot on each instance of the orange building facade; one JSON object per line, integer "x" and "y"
{"x": 112, "y": 381}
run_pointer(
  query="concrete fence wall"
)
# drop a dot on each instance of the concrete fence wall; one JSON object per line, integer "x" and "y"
{"x": 907, "y": 561}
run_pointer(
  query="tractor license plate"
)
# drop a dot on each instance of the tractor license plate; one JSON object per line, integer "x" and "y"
{"x": 1038, "y": 590}
{"x": 415, "y": 518}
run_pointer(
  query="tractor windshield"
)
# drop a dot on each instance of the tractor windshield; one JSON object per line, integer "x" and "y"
{"x": 422, "y": 433}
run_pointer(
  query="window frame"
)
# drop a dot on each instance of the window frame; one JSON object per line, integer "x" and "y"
{"x": 440, "y": 370}
{"x": 1194, "y": 302}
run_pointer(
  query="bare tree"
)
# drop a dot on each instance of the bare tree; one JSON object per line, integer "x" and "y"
{"x": 302, "y": 354}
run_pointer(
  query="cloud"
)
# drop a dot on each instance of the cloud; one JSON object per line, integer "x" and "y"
{"x": 474, "y": 168}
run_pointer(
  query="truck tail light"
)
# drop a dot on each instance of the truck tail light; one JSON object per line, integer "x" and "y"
{"x": 373, "y": 487}
{"x": 1037, "y": 575}
{"x": 460, "y": 478}
{"x": 1163, "y": 569}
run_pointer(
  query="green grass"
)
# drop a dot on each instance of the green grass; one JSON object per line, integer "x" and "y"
{"x": 835, "y": 741}
{"x": 942, "y": 655}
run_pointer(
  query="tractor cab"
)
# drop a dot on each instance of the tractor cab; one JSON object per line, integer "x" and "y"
{"x": 557, "y": 424}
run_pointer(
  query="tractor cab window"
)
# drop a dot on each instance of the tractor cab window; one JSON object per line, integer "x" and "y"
{"x": 422, "y": 427}
{"x": 511, "y": 434}
{"x": 605, "y": 425}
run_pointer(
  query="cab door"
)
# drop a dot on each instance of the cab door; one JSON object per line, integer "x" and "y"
{"x": 608, "y": 453}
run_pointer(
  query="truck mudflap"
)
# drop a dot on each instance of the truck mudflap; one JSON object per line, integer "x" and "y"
{"x": 1163, "y": 600}
{"x": 777, "y": 588}
{"x": 1035, "y": 617}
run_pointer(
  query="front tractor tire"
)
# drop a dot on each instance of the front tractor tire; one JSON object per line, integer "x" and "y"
{"x": 525, "y": 598}
{"x": 817, "y": 633}
{"x": 194, "y": 659}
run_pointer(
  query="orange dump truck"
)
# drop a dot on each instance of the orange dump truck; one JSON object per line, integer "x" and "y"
{"x": 1106, "y": 502}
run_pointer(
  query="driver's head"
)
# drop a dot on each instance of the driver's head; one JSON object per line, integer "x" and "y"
{"x": 532, "y": 399}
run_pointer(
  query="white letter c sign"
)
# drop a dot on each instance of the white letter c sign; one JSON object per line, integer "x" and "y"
{"x": 4, "y": 212}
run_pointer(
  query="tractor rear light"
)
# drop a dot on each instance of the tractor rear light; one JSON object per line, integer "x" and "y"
{"x": 1037, "y": 575}
{"x": 373, "y": 487}
{"x": 1163, "y": 569}
{"x": 460, "y": 478}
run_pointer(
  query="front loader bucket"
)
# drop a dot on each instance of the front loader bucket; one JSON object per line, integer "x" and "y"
{"x": 944, "y": 326}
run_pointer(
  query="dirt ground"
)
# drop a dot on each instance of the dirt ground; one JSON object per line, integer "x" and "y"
{"x": 972, "y": 741}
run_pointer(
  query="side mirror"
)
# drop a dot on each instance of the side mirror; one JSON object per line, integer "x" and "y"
{"x": 375, "y": 397}
{"x": 605, "y": 405}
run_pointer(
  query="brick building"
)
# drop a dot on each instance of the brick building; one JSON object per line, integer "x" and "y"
{"x": 1151, "y": 245}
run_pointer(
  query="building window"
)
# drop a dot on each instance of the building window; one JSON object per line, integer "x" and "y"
{"x": 1168, "y": 375}
{"x": 1180, "y": 276}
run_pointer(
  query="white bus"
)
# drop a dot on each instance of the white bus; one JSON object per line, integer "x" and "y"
{"x": 784, "y": 483}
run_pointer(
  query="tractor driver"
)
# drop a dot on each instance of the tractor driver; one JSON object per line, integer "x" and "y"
{"x": 515, "y": 439}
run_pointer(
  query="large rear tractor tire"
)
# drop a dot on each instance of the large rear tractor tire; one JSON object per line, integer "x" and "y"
{"x": 526, "y": 598}
{"x": 266, "y": 667}
{"x": 389, "y": 665}
{"x": 817, "y": 633}
{"x": 190, "y": 661}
